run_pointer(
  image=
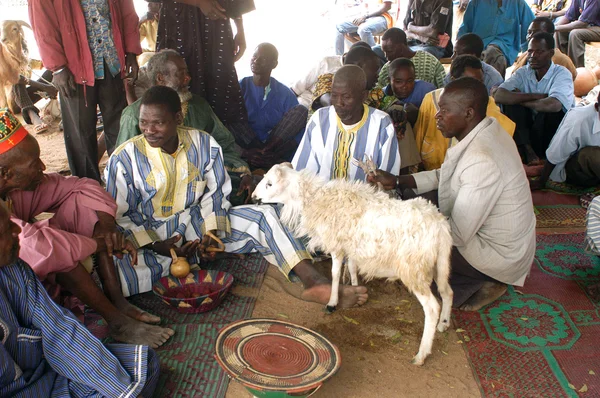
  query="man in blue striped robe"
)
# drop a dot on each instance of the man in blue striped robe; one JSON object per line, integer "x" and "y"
{"x": 348, "y": 130}
{"x": 46, "y": 352}
{"x": 171, "y": 188}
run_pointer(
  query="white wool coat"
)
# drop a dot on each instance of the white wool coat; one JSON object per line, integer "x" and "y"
{"x": 483, "y": 190}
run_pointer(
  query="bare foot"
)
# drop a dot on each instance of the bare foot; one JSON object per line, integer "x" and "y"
{"x": 134, "y": 332}
{"x": 489, "y": 292}
{"x": 350, "y": 296}
{"x": 136, "y": 313}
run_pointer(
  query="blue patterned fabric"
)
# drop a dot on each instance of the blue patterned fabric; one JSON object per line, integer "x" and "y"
{"x": 100, "y": 37}
{"x": 46, "y": 352}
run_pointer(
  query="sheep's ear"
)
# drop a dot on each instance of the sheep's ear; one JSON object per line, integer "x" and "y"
{"x": 287, "y": 164}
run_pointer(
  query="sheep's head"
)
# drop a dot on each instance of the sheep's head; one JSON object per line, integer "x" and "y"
{"x": 274, "y": 187}
{"x": 12, "y": 34}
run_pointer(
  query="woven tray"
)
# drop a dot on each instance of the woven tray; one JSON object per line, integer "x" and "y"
{"x": 272, "y": 355}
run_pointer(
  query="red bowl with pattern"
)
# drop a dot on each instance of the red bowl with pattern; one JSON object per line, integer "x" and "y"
{"x": 200, "y": 291}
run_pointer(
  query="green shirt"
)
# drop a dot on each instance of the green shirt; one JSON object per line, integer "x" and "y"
{"x": 427, "y": 68}
{"x": 199, "y": 116}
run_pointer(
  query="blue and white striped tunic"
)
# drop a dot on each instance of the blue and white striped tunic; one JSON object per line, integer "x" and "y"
{"x": 45, "y": 351}
{"x": 592, "y": 227}
{"x": 161, "y": 195}
{"x": 327, "y": 148}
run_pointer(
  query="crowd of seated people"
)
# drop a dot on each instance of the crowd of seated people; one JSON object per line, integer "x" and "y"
{"x": 184, "y": 160}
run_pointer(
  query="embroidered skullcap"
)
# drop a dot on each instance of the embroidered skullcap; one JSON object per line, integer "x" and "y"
{"x": 11, "y": 131}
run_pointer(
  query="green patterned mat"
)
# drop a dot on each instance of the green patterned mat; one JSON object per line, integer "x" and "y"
{"x": 188, "y": 368}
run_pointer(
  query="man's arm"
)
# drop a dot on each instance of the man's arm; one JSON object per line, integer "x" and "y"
{"x": 548, "y": 104}
{"x": 506, "y": 97}
{"x": 226, "y": 140}
{"x": 120, "y": 185}
{"x": 46, "y": 30}
{"x": 439, "y": 20}
{"x": 213, "y": 203}
{"x": 569, "y": 26}
{"x": 129, "y": 124}
{"x": 130, "y": 25}
{"x": 479, "y": 190}
{"x": 540, "y": 183}
{"x": 305, "y": 156}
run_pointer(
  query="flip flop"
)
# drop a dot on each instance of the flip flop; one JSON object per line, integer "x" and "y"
{"x": 40, "y": 128}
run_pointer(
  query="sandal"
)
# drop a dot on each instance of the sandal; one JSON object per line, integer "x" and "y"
{"x": 40, "y": 128}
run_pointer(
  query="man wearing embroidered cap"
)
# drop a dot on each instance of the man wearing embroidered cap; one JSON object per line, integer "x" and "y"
{"x": 83, "y": 224}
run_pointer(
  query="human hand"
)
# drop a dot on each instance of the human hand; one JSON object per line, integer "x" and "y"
{"x": 64, "y": 82}
{"x": 211, "y": 9}
{"x": 110, "y": 240}
{"x": 360, "y": 20}
{"x": 387, "y": 180}
{"x": 247, "y": 184}
{"x": 210, "y": 245}
{"x": 239, "y": 45}
{"x": 131, "y": 67}
{"x": 51, "y": 90}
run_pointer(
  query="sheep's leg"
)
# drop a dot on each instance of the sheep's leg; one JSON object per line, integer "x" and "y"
{"x": 353, "y": 269}
{"x": 431, "y": 308}
{"x": 441, "y": 280}
{"x": 336, "y": 273}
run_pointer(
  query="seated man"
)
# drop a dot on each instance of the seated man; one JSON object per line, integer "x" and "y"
{"x": 171, "y": 189}
{"x": 431, "y": 143}
{"x": 574, "y": 152}
{"x": 471, "y": 44}
{"x": 168, "y": 68}
{"x": 502, "y": 25}
{"x": 45, "y": 351}
{"x": 348, "y": 130}
{"x": 427, "y": 67}
{"x": 536, "y": 98}
{"x": 404, "y": 89}
{"x": 373, "y": 23}
{"x": 367, "y": 60}
{"x": 483, "y": 191}
{"x": 305, "y": 87}
{"x": 428, "y": 26}
{"x": 580, "y": 24}
{"x": 545, "y": 25}
{"x": 83, "y": 224}
{"x": 274, "y": 114}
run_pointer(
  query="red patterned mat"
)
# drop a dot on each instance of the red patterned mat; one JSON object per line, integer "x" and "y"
{"x": 560, "y": 216}
{"x": 540, "y": 340}
{"x": 187, "y": 364}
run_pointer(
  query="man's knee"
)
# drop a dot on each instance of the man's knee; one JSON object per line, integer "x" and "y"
{"x": 365, "y": 28}
{"x": 589, "y": 155}
{"x": 576, "y": 35}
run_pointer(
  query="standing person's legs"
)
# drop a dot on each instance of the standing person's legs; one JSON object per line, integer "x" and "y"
{"x": 79, "y": 123}
{"x": 112, "y": 101}
{"x": 583, "y": 168}
{"x": 472, "y": 288}
{"x": 493, "y": 56}
{"x": 342, "y": 29}
{"x": 369, "y": 28}
{"x": 577, "y": 40}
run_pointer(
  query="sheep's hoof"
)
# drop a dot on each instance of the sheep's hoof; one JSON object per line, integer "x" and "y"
{"x": 417, "y": 361}
{"x": 330, "y": 309}
{"x": 443, "y": 326}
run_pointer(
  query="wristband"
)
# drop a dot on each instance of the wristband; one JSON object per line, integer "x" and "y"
{"x": 56, "y": 72}
{"x": 550, "y": 14}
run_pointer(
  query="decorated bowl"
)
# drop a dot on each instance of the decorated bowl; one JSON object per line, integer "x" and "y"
{"x": 199, "y": 291}
{"x": 276, "y": 359}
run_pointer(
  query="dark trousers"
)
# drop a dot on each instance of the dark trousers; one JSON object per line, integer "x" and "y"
{"x": 533, "y": 128}
{"x": 79, "y": 115}
{"x": 465, "y": 279}
{"x": 583, "y": 168}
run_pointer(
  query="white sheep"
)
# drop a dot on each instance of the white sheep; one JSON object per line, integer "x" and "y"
{"x": 379, "y": 237}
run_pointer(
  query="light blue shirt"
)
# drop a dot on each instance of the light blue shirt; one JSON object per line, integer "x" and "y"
{"x": 505, "y": 27}
{"x": 557, "y": 83}
{"x": 491, "y": 77}
{"x": 580, "y": 128}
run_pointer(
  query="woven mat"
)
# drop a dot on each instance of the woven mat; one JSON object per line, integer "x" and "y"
{"x": 187, "y": 364}
{"x": 540, "y": 340}
{"x": 563, "y": 187}
{"x": 560, "y": 216}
